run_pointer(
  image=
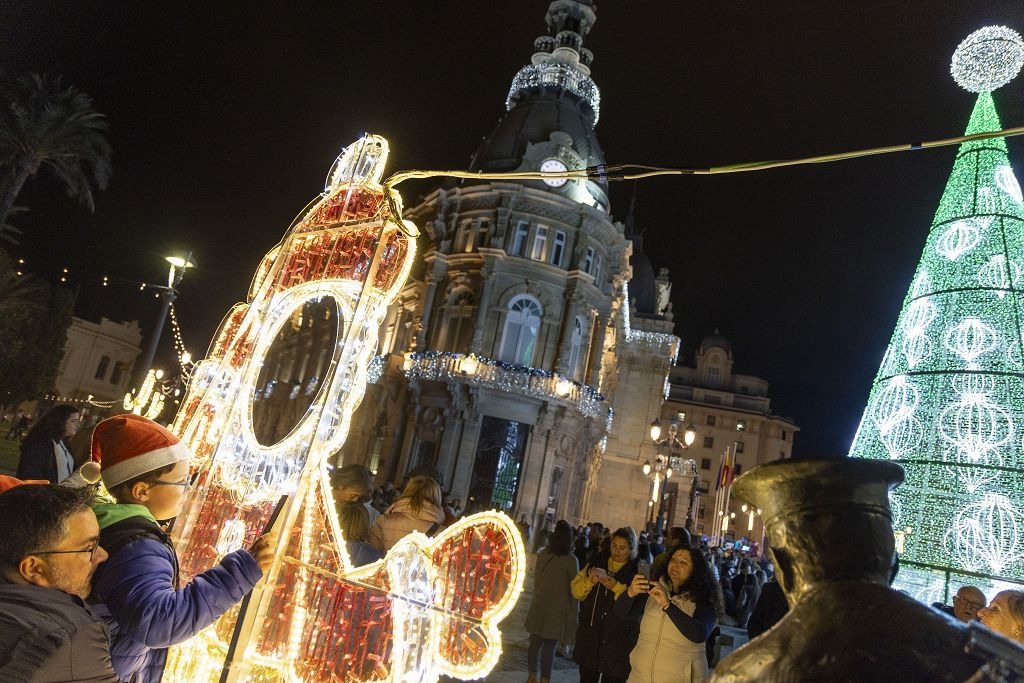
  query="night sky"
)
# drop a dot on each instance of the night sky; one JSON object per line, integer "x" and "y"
{"x": 226, "y": 116}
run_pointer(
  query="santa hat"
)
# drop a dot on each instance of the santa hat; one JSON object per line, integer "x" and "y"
{"x": 7, "y": 483}
{"x": 129, "y": 445}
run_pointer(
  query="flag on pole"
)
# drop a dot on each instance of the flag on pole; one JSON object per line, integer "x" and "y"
{"x": 723, "y": 472}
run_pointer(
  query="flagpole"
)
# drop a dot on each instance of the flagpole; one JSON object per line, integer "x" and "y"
{"x": 728, "y": 491}
{"x": 720, "y": 496}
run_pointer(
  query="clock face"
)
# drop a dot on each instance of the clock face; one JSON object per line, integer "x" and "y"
{"x": 554, "y": 166}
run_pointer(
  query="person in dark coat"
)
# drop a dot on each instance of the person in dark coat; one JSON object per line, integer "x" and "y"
{"x": 47, "y": 560}
{"x": 678, "y": 537}
{"x": 136, "y": 590}
{"x": 581, "y": 549}
{"x": 770, "y": 608}
{"x": 46, "y": 450}
{"x": 728, "y": 597}
{"x": 603, "y": 640}
{"x": 552, "y": 615}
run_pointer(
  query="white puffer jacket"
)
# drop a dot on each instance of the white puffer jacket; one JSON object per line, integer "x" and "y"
{"x": 663, "y": 654}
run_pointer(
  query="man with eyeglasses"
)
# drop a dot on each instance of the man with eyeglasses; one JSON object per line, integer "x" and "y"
{"x": 49, "y": 550}
{"x": 966, "y": 603}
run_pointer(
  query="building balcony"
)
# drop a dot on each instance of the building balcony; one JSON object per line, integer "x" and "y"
{"x": 488, "y": 373}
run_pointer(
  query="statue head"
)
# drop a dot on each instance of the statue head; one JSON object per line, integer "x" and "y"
{"x": 827, "y": 519}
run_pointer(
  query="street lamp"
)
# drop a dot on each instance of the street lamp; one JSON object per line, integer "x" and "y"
{"x": 169, "y": 293}
{"x": 662, "y": 469}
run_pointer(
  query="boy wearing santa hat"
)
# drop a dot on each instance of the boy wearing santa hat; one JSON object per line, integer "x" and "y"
{"x": 146, "y": 469}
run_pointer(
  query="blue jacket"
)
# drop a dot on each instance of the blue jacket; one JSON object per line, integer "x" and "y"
{"x": 135, "y": 591}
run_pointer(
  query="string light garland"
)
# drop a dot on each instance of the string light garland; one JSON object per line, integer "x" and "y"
{"x": 947, "y": 403}
{"x": 508, "y": 377}
{"x": 431, "y": 607}
{"x": 89, "y": 400}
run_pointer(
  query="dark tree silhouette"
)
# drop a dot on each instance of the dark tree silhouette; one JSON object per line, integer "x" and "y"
{"x": 44, "y": 124}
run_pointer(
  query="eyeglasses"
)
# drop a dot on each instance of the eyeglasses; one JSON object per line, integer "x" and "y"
{"x": 91, "y": 550}
{"x": 183, "y": 484}
{"x": 968, "y": 603}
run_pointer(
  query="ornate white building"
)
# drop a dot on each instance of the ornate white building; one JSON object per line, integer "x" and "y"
{"x": 500, "y": 361}
{"x": 98, "y": 360}
{"x": 511, "y": 363}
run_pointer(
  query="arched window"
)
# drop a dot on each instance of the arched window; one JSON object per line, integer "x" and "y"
{"x": 458, "y": 321}
{"x": 714, "y": 371}
{"x": 522, "y": 323}
{"x": 575, "y": 347}
{"x": 101, "y": 369}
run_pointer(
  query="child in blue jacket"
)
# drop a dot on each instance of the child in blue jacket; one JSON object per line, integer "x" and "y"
{"x": 146, "y": 469}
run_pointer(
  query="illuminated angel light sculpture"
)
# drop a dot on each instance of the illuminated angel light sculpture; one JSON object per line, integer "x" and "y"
{"x": 432, "y": 606}
{"x": 948, "y": 400}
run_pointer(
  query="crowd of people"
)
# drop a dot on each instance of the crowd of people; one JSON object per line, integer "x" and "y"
{"x": 634, "y": 610}
{"x": 90, "y": 584}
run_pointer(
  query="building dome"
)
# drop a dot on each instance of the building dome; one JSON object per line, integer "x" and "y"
{"x": 532, "y": 120}
{"x": 715, "y": 340}
{"x": 552, "y": 106}
{"x": 643, "y": 291}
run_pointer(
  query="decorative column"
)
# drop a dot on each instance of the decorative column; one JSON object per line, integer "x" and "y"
{"x": 486, "y": 287}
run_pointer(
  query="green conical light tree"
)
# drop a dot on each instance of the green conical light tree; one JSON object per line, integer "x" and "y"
{"x": 948, "y": 401}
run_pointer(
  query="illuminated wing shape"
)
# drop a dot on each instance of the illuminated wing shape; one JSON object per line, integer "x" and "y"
{"x": 480, "y": 563}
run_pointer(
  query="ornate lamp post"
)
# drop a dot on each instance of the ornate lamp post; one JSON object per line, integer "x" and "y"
{"x": 665, "y": 462}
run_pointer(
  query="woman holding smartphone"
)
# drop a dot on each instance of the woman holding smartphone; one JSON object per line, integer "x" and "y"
{"x": 604, "y": 640}
{"x": 678, "y": 612}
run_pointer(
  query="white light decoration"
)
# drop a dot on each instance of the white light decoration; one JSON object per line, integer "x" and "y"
{"x": 970, "y": 338}
{"x": 556, "y": 75}
{"x": 149, "y": 401}
{"x": 659, "y": 343}
{"x": 232, "y": 534}
{"x": 975, "y": 428}
{"x": 375, "y": 370}
{"x": 948, "y": 398}
{"x": 1007, "y": 182}
{"x": 489, "y": 373}
{"x": 988, "y": 59}
{"x": 1001, "y": 274}
{"x": 960, "y": 238}
{"x": 986, "y": 534}
{"x": 431, "y": 607}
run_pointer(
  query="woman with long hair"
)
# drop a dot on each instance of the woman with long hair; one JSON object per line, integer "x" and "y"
{"x": 679, "y": 611}
{"x": 604, "y": 640}
{"x": 354, "y": 521}
{"x": 417, "y": 509}
{"x": 1005, "y": 615}
{"x": 552, "y": 614}
{"x": 46, "y": 452}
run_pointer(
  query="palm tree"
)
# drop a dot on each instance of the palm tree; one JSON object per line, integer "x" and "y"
{"x": 19, "y": 294}
{"x": 44, "y": 124}
{"x": 9, "y": 233}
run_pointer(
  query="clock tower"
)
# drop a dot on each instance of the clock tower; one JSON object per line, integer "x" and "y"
{"x": 552, "y": 108}
{"x": 499, "y": 363}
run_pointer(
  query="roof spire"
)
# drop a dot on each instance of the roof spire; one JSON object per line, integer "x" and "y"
{"x": 560, "y": 60}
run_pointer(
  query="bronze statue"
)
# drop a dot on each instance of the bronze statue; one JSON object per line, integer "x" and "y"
{"x": 831, "y": 537}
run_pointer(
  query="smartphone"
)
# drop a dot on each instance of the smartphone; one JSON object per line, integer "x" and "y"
{"x": 644, "y": 569}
